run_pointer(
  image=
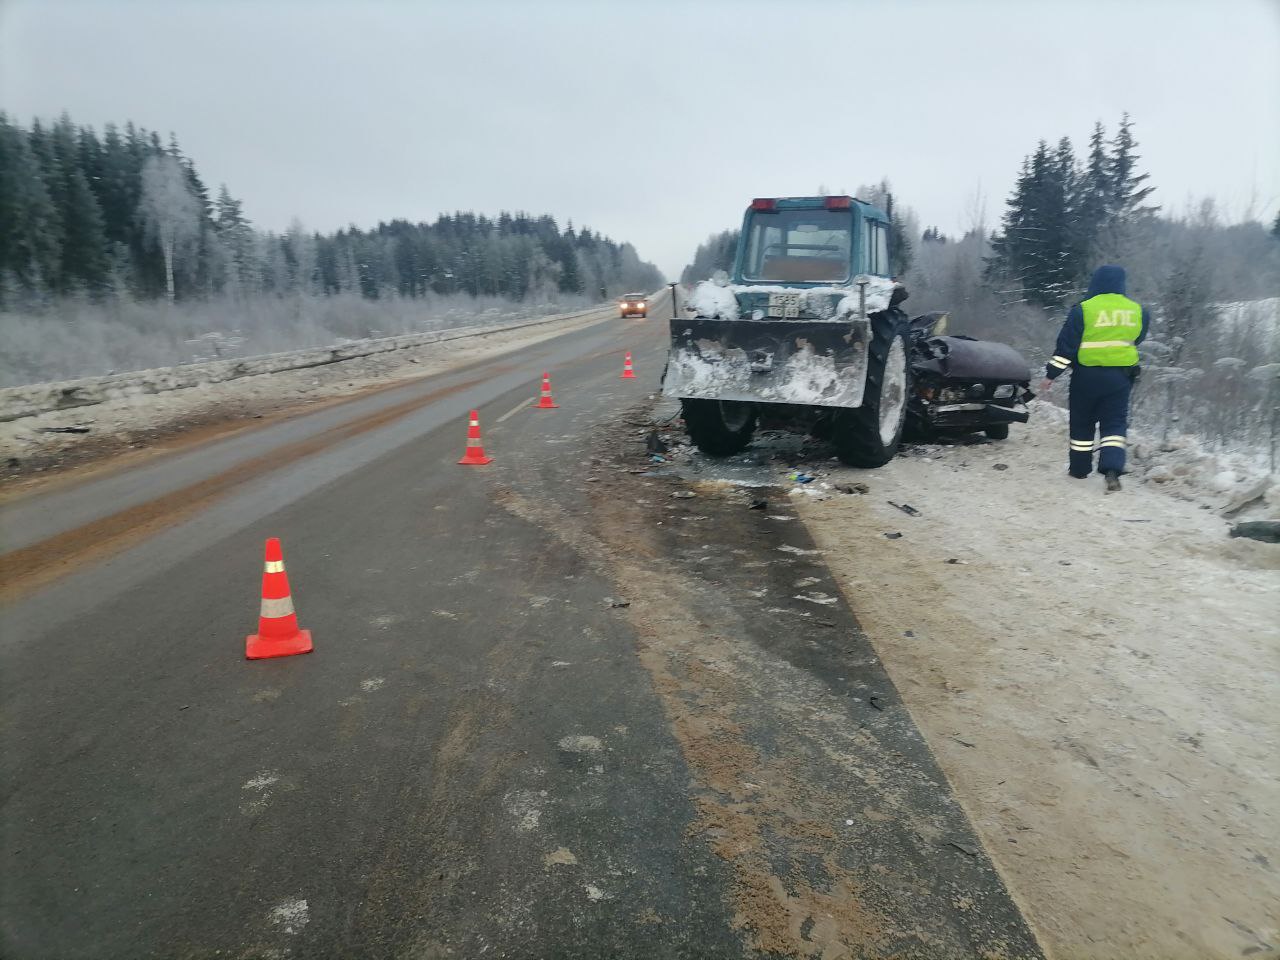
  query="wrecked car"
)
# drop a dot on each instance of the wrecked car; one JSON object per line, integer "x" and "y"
{"x": 962, "y": 385}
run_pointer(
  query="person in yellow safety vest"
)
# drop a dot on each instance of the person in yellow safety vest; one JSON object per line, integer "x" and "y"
{"x": 1099, "y": 344}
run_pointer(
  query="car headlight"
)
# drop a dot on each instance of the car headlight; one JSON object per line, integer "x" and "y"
{"x": 1004, "y": 391}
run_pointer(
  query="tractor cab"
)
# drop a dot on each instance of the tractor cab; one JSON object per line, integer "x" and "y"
{"x": 812, "y": 241}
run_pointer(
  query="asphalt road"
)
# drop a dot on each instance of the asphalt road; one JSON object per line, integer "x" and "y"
{"x": 551, "y": 712}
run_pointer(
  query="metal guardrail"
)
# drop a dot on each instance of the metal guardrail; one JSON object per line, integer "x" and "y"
{"x": 30, "y": 400}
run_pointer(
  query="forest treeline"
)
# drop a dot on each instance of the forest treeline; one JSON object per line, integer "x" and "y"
{"x": 124, "y": 214}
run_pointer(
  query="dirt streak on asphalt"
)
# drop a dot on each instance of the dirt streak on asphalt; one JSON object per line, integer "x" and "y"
{"x": 808, "y": 776}
{"x": 38, "y": 564}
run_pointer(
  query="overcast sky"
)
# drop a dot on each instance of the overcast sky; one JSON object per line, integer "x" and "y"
{"x": 655, "y": 121}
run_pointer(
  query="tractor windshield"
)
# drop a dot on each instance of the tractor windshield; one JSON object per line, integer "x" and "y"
{"x": 799, "y": 246}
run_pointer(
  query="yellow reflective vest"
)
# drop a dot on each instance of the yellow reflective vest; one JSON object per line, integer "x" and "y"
{"x": 1112, "y": 324}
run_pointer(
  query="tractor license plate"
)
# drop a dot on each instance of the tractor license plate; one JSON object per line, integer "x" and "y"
{"x": 784, "y": 305}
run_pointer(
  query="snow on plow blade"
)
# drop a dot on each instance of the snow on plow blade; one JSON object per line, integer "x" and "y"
{"x": 768, "y": 361}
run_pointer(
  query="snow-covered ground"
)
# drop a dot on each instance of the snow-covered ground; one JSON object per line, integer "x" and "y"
{"x": 136, "y": 424}
{"x": 1095, "y": 673}
{"x": 1260, "y": 318}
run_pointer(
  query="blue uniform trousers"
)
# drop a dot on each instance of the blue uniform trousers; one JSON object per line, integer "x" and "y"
{"x": 1099, "y": 404}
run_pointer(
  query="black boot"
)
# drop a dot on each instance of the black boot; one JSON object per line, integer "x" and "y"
{"x": 1113, "y": 480}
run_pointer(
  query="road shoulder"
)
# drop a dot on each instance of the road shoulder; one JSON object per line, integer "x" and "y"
{"x": 1094, "y": 674}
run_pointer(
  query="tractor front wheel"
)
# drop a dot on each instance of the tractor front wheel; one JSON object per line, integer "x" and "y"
{"x": 868, "y": 436}
{"x": 719, "y": 428}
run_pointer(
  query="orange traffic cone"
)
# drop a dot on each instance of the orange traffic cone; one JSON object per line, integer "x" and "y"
{"x": 474, "y": 457}
{"x": 627, "y": 372}
{"x": 278, "y": 634}
{"x": 546, "y": 403}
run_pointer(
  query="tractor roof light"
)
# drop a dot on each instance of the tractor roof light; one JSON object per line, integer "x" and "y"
{"x": 839, "y": 203}
{"x": 764, "y": 205}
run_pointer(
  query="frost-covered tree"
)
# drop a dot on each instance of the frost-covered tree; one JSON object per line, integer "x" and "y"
{"x": 235, "y": 235}
{"x": 31, "y": 239}
{"x": 714, "y": 253}
{"x": 170, "y": 212}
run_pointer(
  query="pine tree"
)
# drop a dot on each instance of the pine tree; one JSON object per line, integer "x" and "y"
{"x": 1058, "y": 217}
{"x": 31, "y": 240}
{"x": 1127, "y": 192}
{"x": 236, "y": 236}
{"x": 85, "y": 258}
{"x": 901, "y": 251}
{"x": 1094, "y": 194}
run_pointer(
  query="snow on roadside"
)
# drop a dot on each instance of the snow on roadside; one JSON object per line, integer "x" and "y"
{"x": 35, "y": 444}
{"x": 1182, "y": 466}
{"x": 1255, "y": 317}
{"x": 1096, "y": 675}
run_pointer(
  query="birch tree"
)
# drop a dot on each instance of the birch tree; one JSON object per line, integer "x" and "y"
{"x": 169, "y": 211}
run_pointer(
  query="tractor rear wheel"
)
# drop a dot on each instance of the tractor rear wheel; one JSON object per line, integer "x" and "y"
{"x": 719, "y": 428}
{"x": 868, "y": 436}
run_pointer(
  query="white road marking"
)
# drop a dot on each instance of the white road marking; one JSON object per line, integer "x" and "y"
{"x": 522, "y": 405}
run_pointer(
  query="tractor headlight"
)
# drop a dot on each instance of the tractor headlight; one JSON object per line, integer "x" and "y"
{"x": 1004, "y": 391}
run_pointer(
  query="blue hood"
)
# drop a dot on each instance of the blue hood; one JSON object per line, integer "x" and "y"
{"x": 1108, "y": 279}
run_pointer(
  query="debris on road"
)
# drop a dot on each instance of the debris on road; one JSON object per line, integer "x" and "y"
{"x": 683, "y": 494}
{"x": 63, "y": 429}
{"x": 963, "y": 848}
{"x": 758, "y": 504}
{"x": 853, "y": 488}
{"x": 893, "y": 536}
{"x": 906, "y": 508}
{"x": 1267, "y": 531}
{"x": 816, "y": 597}
{"x": 654, "y": 443}
{"x": 999, "y": 466}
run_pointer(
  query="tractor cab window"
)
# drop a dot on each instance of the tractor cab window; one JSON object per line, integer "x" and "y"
{"x": 799, "y": 246}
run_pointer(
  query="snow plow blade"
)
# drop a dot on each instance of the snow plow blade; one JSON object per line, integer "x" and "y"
{"x": 768, "y": 361}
